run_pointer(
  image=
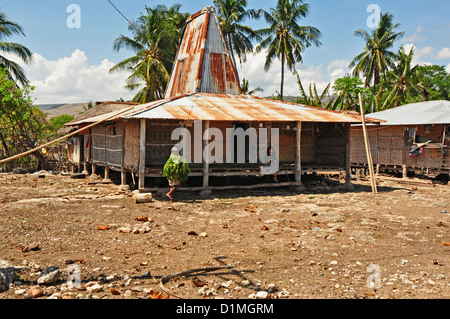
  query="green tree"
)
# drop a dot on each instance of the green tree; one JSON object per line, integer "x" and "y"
{"x": 246, "y": 90}
{"x": 285, "y": 38}
{"x": 58, "y": 121}
{"x": 313, "y": 98}
{"x": 155, "y": 41}
{"x": 403, "y": 80}
{"x": 348, "y": 89}
{"x": 232, "y": 14}
{"x": 436, "y": 81}
{"x": 22, "y": 125}
{"x": 377, "y": 57}
{"x": 9, "y": 28}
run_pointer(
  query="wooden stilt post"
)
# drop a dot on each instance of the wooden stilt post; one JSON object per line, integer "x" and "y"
{"x": 142, "y": 141}
{"x": 348, "y": 168}
{"x": 298, "y": 158}
{"x": 123, "y": 172}
{"x": 298, "y": 151}
{"x": 205, "y": 160}
{"x": 368, "y": 152}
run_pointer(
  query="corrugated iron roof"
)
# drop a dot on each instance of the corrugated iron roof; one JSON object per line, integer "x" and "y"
{"x": 242, "y": 108}
{"x": 203, "y": 63}
{"x": 431, "y": 112}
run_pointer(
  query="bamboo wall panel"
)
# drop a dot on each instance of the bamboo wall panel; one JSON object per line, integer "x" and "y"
{"x": 131, "y": 145}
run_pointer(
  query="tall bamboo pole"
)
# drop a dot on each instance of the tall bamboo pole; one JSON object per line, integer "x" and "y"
{"x": 367, "y": 144}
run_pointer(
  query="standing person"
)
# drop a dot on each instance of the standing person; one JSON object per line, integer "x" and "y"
{"x": 175, "y": 170}
{"x": 273, "y": 163}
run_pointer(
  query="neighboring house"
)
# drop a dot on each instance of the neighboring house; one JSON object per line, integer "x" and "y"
{"x": 414, "y": 137}
{"x": 78, "y": 146}
{"x": 203, "y": 92}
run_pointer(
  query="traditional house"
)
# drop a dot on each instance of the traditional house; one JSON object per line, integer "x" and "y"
{"x": 78, "y": 146}
{"x": 413, "y": 137}
{"x": 204, "y": 99}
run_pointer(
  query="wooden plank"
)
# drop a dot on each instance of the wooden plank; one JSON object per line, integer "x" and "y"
{"x": 231, "y": 187}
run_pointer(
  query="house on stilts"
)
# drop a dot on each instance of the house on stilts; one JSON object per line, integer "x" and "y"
{"x": 204, "y": 98}
{"x": 409, "y": 138}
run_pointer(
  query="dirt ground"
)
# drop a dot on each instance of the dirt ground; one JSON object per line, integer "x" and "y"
{"x": 325, "y": 242}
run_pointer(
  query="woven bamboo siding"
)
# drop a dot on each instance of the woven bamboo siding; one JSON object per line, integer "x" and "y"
{"x": 330, "y": 144}
{"x": 432, "y": 156}
{"x": 131, "y": 145}
{"x": 158, "y": 141}
{"x": 307, "y": 143}
{"x": 98, "y": 144}
{"x": 114, "y": 133}
{"x": 390, "y": 146}
{"x": 107, "y": 144}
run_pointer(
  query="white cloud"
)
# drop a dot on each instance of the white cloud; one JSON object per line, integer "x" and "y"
{"x": 73, "y": 80}
{"x": 443, "y": 54}
{"x": 320, "y": 75}
{"x": 415, "y": 37}
{"x": 448, "y": 68}
{"x": 419, "y": 54}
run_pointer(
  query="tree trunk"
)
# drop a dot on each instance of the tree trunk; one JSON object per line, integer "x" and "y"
{"x": 282, "y": 75}
{"x": 233, "y": 60}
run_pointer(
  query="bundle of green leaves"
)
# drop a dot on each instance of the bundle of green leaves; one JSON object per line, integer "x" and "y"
{"x": 176, "y": 167}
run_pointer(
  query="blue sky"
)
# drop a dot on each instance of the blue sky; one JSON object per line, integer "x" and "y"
{"x": 71, "y": 64}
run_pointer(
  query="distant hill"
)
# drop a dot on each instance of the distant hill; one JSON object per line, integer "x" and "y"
{"x": 53, "y": 110}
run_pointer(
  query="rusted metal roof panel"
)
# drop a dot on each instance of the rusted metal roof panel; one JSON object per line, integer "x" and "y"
{"x": 203, "y": 63}
{"x": 242, "y": 108}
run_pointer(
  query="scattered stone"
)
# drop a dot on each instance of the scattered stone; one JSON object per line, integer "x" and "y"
{"x": 49, "y": 276}
{"x": 20, "y": 291}
{"x": 94, "y": 288}
{"x": 34, "y": 292}
{"x": 262, "y": 295}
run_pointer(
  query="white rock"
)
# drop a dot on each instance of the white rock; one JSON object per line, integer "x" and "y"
{"x": 20, "y": 291}
{"x": 334, "y": 262}
{"x": 262, "y": 295}
{"x": 94, "y": 288}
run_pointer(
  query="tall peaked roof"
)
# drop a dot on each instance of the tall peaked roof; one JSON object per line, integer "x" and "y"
{"x": 203, "y": 63}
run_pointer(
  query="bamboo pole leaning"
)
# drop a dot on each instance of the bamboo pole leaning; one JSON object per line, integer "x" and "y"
{"x": 64, "y": 137}
{"x": 367, "y": 145}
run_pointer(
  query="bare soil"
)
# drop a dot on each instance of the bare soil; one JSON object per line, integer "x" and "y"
{"x": 325, "y": 242}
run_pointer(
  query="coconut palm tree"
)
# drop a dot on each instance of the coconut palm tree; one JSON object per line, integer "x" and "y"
{"x": 156, "y": 37}
{"x": 285, "y": 38}
{"x": 9, "y": 28}
{"x": 403, "y": 79}
{"x": 246, "y": 90}
{"x": 232, "y": 14}
{"x": 376, "y": 59}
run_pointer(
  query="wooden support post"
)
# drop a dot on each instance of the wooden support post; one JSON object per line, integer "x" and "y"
{"x": 298, "y": 153}
{"x": 123, "y": 177}
{"x": 205, "y": 160}
{"x": 367, "y": 144}
{"x": 298, "y": 158}
{"x": 348, "y": 169}
{"x": 142, "y": 154}
{"x": 94, "y": 168}
{"x": 405, "y": 171}
{"x": 107, "y": 173}
{"x": 85, "y": 171}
